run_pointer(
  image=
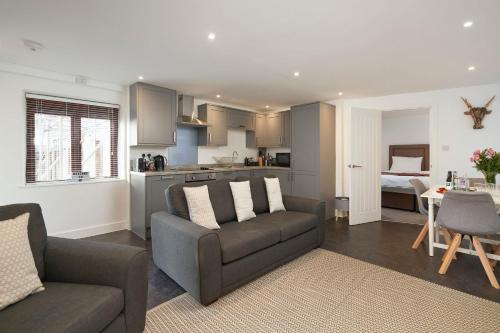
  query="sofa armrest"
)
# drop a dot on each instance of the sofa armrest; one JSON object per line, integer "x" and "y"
{"x": 100, "y": 263}
{"x": 189, "y": 254}
{"x": 311, "y": 206}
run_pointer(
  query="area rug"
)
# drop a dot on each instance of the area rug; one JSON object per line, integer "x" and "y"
{"x": 323, "y": 291}
{"x": 402, "y": 216}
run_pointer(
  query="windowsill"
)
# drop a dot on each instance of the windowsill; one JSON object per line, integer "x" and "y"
{"x": 71, "y": 183}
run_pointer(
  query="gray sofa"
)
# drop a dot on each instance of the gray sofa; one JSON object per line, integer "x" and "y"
{"x": 89, "y": 286}
{"x": 211, "y": 263}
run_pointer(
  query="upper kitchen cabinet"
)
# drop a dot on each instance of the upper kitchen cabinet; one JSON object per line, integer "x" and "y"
{"x": 260, "y": 130}
{"x": 216, "y": 117}
{"x": 153, "y": 113}
{"x": 272, "y": 130}
{"x": 241, "y": 119}
{"x": 286, "y": 129}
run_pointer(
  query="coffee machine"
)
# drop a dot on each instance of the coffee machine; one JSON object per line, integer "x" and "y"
{"x": 160, "y": 162}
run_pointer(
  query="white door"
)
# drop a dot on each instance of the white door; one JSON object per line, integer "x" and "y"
{"x": 364, "y": 166}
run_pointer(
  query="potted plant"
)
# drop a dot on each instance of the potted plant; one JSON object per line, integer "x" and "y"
{"x": 488, "y": 162}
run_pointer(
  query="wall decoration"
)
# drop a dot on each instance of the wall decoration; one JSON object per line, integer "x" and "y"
{"x": 478, "y": 113}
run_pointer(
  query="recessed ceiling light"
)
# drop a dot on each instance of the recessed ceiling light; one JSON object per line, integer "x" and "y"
{"x": 33, "y": 45}
{"x": 140, "y": 77}
{"x": 340, "y": 93}
{"x": 267, "y": 106}
{"x": 211, "y": 36}
{"x": 296, "y": 74}
{"x": 471, "y": 68}
{"x": 468, "y": 24}
{"x": 218, "y": 96}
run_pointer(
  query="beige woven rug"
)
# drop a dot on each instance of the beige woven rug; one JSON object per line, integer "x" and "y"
{"x": 324, "y": 291}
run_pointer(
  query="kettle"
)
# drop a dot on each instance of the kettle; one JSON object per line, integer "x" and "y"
{"x": 160, "y": 162}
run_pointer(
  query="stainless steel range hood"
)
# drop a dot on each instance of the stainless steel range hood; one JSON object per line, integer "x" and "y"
{"x": 186, "y": 115}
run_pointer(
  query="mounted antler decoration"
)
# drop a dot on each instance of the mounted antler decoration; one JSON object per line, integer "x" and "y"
{"x": 478, "y": 113}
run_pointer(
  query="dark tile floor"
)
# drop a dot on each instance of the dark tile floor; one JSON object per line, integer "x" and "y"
{"x": 385, "y": 244}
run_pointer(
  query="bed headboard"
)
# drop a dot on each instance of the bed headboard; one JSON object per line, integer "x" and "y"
{"x": 411, "y": 151}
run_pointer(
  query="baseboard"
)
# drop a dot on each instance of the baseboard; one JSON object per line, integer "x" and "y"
{"x": 93, "y": 230}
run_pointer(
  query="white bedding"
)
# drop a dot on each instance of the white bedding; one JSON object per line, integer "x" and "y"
{"x": 402, "y": 181}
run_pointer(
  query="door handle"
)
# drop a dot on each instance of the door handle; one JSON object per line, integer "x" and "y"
{"x": 281, "y": 139}
{"x": 209, "y": 137}
{"x": 352, "y": 166}
{"x": 175, "y": 136}
{"x": 167, "y": 177}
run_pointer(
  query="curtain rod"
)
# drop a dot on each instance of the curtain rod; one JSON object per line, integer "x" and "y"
{"x": 76, "y": 100}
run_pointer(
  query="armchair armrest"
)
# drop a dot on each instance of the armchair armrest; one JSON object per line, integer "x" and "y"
{"x": 189, "y": 254}
{"x": 311, "y": 206}
{"x": 88, "y": 262}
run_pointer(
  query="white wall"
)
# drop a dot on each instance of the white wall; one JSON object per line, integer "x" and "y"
{"x": 403, "y": 127}
{"x": 75, "y": 210}
{"x": 452, "y": 138}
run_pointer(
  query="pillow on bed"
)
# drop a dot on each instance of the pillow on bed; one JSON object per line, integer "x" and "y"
{"x": 406, "y": 164}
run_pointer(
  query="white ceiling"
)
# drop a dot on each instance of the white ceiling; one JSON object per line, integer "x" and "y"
{"x": 360, "y": 47}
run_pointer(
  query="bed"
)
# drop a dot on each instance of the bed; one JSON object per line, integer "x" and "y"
{"x": 397, "y": 192}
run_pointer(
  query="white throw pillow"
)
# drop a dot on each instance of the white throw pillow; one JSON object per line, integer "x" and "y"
{"x": 200, "y": 208}
{"x": 18, "y": 273}
{"x": 274, "y": 195}
{"x": 243, "y": 202}
{"x": 406, "y": 164}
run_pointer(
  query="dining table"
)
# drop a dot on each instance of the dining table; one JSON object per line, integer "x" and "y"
{"x": 434, "y": 197}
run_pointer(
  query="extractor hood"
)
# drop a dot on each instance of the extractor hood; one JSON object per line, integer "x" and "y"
{"x": 186, "y": 115}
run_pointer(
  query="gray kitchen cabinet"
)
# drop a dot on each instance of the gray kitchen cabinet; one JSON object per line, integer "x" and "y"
{"x": 226, "y": 175}
{"x": 286, "y": 131}
{"x": 274, "y": 133}
{"x": 283, "y": 175}
{"x": 153, "y": 114}
{"x": 305, "y": 185}
{"x": 260, "y": 130}
{"x": 243, "y": 173}
{"x": 215, "y": 134}
{"x": 147, "y": 196}
{"x": 313, "y": 152}
{"x": 241, "y": 119}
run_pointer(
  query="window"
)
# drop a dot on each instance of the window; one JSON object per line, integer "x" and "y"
{"x": 69, "y": 136}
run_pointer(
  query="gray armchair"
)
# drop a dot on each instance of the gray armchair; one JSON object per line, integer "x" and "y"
{"x": 89, "y": 286}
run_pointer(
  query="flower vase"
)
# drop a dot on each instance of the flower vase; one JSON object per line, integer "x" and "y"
{"x": 490, "y": 177}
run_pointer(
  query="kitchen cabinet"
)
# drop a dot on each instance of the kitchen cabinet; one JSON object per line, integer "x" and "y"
{"x": 313, "y": 152}
{"x": 260, "y": 130}
{"x": 153, "y": 115}
{"x": 286, "y": 131}
{"x": 282, "y": 174}
{"x": 241, "y": 119}
{"x": 246, "y": 173}
{"x": 226, "y": 175}
{"x": 147, "y": 196}
{"x": 274, "y": 126}
{"x": 215, "y": 134}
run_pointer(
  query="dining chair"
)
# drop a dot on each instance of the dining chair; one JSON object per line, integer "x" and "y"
{"x": 473, "y": 214}
{"x": 423, "y": 208}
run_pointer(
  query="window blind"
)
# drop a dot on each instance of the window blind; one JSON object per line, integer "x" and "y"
{"x": 64, "y": 136}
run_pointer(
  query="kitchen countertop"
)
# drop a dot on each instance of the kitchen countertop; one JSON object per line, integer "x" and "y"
{"x": 173, "y": 171}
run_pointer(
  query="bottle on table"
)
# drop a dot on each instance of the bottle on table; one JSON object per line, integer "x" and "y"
{"x": 449, "y": 181}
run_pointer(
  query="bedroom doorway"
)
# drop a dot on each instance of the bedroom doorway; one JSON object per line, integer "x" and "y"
{"x": 405, "y": 155}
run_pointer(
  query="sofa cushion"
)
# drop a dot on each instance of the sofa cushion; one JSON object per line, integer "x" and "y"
{"x": 64, "y": 307}
{"x": 290, "y": 223}
{"x": 240, "y": 239}
{"x": 36, "y": 230}
{"x": 259, "y": 193}
{"x": 220, "y": 197}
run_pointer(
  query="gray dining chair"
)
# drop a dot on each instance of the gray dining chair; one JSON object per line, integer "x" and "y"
{"x": 473, "y": 214}
{"x": 423, "y": 208}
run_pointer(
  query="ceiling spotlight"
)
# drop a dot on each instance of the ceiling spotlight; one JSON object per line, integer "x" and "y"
{"x": 211, "y": 36}
{"x": 468, "y": 24}
{"x": 33, "y": 46}
{"x": 471, "y": 68}
{"x": 296, "y": 74}
{"x": 218, "y": 96}
{"x": 267, "y": 106}
{"x": 340, "y": 93}
{"x": 140, "y": 77}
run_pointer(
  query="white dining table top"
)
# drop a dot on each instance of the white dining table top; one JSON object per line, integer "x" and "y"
{"x": 433, "y": 194}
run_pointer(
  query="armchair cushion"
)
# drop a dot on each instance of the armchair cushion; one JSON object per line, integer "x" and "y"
{"x": 64, "y": 307}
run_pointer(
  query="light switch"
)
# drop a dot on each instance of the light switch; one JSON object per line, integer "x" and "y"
{"x": 445, "y": 148}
